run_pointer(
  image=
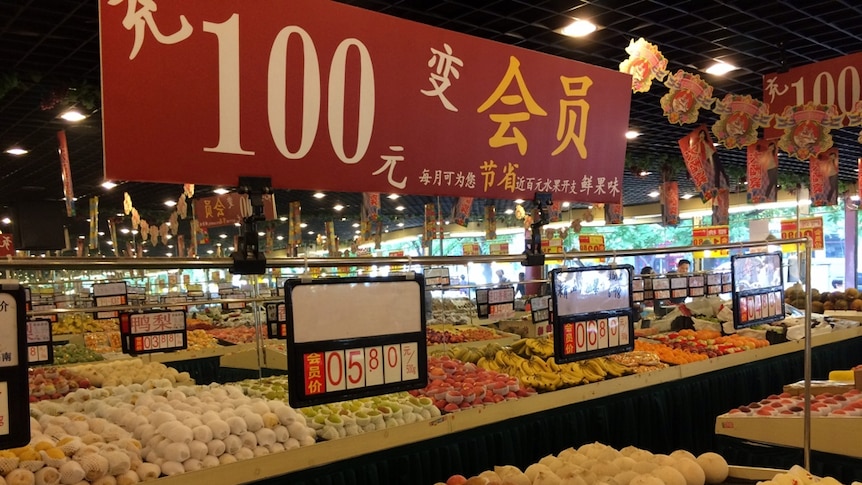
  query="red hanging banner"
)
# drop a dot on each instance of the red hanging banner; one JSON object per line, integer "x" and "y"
{"x": 762, "y": 172}
{"x": 66, "y": 173}
{"x": 823, "y": 172}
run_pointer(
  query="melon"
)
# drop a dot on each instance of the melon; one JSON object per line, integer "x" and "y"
{"x": 714, "y": 466}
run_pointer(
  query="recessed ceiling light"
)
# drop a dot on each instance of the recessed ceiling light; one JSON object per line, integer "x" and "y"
{"x": 319, "y": 195}
{"x": 109, "y": 243}
{"x": 282, "y": 219}
{"x": 654, "y": 194}
{"x": 82, "y": 237}
{"x": 357, "y": 231}
{"x": 220, "y": 191}
{"x": 519, "y": 201}
{"x": 73, "y": 115}
{"x": 101, "y": 233}
{"x": 170, "y": 203}
{"x": 579, "y": 28}
{"x": 566, "y": 204}
{"x": 510, "y": 211}
{"x": 393, "y": 196}
{"x": 261, "y": 234}
{"x": 303, "y": 225}
{"x": 125, "y": 230}
{"x": 134, "y": 231}
{"x": 338, "y": 207}
{"x": 237, "y": 224}
{"x": 17, "y": 151}
{"x": 209, "y": 251}
{"x": 6, "y": 220}
{"x": 222, "y": 236}
{"x": 400, "y": 224}
{"x": 280, "y": 238}
{"x": 686, "y": 196}
{"x": 120, "y": 214}
{"x": 631, "y": 134}
{"x": 644, "y": 173}
{"x": 231, "y": 249}
{"x": 400, "y": 208}
{"x": 108, "y": 185}
{"x": 355, "y": 224}
{"x": 166, "y": 254}
{"x": 720, "y": 68}
{"x": 311, "y": 232}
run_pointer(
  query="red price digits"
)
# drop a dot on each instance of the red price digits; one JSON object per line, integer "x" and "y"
{"x": 580, "y": 336}
{"x": 2, "y": 420}
{"x": 392, "y": 369}
{"x": 592, "y": 336}
{"x": 355, "y": 370}
{"x": 373, "y": 366}
{"x": 334, "y": 371}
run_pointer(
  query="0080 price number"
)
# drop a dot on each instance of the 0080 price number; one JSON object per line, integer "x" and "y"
{"x": 589, "y": 335}
{"x": 339, "y": 370}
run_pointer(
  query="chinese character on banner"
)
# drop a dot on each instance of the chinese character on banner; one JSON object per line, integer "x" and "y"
{"x": 490, "y": 222}
{"x": 807, "y": 129}
{"x": 699, "y": 154}
{"x": 688, "y": 93}
{"x": 670, "y": 203}
{"x": 741, "y": 116}
{"x": 823, "y": 170}
{"x": 7, "y": 246}
{"x": 461, "y": 211}
{"x": 762, "y": 172}
{"x": 645, "y": 63}
{"x": 613, "y": 213}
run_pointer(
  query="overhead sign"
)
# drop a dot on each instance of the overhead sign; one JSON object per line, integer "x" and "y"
{"x": 810, "y": 227}
{"x": 593, "y": 311}
{"x": 354, "y": 337}
{"x": 832, "y": 82}
{"x": 758, "y": 289}
{"x": 228, "y": 209}
{"x": 14, "y": 393}
{"x": 155, "y": 331}
{"x": 322, "y": 95}
{"x": 711, "y": 236}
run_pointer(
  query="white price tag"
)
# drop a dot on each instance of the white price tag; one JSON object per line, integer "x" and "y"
{"x": 409, "y": 360}
{"x": 625, "y": 338}
{"x": 373, "y": 366}
{"x": 603, "y": 333}
{"x": 592, "y": 335}
{"x": 334, "y": 362}
{"x": 355, "y": 371}
{"x": 580, "y": 337}
{"x": 613, "y": 331}
{"x": 392, "y": 363}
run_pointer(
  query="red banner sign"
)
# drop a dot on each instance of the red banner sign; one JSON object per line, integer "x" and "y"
{"x": 227, "y": 209}
{"x": 835, "y": 81}
{"x": 7, "y": 245}
{"x": 66, "y": 173}
{"x": 322, "y": 95}
{"x": 811, "y": 227}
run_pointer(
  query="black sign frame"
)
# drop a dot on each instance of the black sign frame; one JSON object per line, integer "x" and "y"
{"x": 749, "y": 302}
{"x": 16, "y": 377}
{"x": 109, "y": 314}
{"x": 126, "y": 334}
{"x": 571, "y": 321}
{"x": 275, "y": 327}
{"x": 48, "y": 343}
{"x": 483, "y": 300}
{"x": 540, "y": 309}
{"x": 297, "y": 351}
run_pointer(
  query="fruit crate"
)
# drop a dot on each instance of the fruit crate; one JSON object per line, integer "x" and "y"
{"x": 503, "y": 339}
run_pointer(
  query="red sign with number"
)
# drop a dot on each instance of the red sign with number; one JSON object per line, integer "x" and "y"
{"x": 811, "y": 227}
{"x": 322, "y": 95}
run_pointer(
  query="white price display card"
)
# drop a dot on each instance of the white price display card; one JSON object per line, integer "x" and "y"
{"x": 354, "y": 337}
{"x": 594, "y": 311}
{"x": 156, "y": 331}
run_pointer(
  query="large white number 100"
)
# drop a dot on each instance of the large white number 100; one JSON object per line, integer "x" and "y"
{"x": 227, "y": 33}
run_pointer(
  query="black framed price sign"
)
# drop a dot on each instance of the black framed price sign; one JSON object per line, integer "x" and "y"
{"x": 437, "y": 277}
{"x": 40, "y": 347}
{"x": 110, "y": 294}
{"x": 661, "y": 288}
{"x": 540, "y": 308}
{"x": 696, "y": 285}
{"x": 495, "y": 302}
{"x": 14, "y": 390}
{"x": 276, "y": 320}
{"x": 153, "y": 331}
{"x": 758, "y": 289}
{"x": 354, "y": 337}
{"x": 593, "y": 311}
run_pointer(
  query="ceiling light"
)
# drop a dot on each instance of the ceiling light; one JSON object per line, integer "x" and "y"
{"x": 510, "y": 211}
{"x": 125, "y": 230}
{"x": 169, "y": 254}
{"x": 6, "y": 220}
{"x": 393, "y": 196}
{"x": 220, "y": 191}
{"x": 209, "y": 251}
{"x": 134, "y": 231}
{"x": 222, "y": 236}
{"x": 319, "y": 195}
{"x": 170, "y": 203}
{"x": 338, "y": 207}
{"x": 170, "y": 236}
{"x": 237, "y": 224}
{"x": 519, "y": 201}
{"x": 400, "y": 224}
{"x": 720, "y": 68}
{"x": 566, "y": 204}
{"x": 579, "y": 28}
{"x": 311, "y": 232}
{"x": 101, "y": 233}
{"x": 17, "y": 151}
{"x": 261, "y": 234}
{"x": 72, "y": 115}
{"x": 108, "y": 185}
{"x": 686, "y": 196}
{"x": 400, "y": 208}
{"x": 631, "y": 134}
{"x": 109, "y": 243}
{"x": 654, "y": 194}
{"x": 280, "y": 238}
{"x": 170, "y": 246}
{"x": 231, "y": 249}
{"x": 120, "y": 214}
{"x": 303, "y": 225}
{"x": 644, "y": 173}
{"x": 358, "y": 231}
{"x": 282, "y": 219}
{"x": 81, "y": 237}
{"x": 355, "y": 224}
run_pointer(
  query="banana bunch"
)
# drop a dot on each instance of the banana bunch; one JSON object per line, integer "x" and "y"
{"x": 527, "y": 347}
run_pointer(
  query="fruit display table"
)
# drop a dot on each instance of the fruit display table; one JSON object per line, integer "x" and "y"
{"x": 832, "y": 434}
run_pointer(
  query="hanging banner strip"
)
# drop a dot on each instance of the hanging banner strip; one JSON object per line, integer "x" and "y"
{"x": 490, "y": 222}
{"x": 94, "y": 223}
{"x": 66, "y": 173}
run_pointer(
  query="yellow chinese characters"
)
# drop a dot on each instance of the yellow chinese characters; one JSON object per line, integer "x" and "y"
{"x": 572, "y": 129}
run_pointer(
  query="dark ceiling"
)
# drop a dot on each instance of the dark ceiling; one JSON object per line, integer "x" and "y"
{"x": 50, "y": 48}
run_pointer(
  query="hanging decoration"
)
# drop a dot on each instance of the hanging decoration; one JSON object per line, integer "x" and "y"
{"x": 721, "y": 207}
{"x": 613, "y": 213}
{"x": 173, "y": 222}
{"x": 576, "y": 226}
{"x": 555, "y": 211}
{"x": 823, "y": 173}
{"x": 294, "y": 233}
{"x": 741, "y": 116}
{"x": 371, "y": 205}
{"x": 588, "y": 215}
{"x": 645, "y": 63}
{"x": 182, "y": 207}
{"x": 490, "y": 222}
{"x": 688, "y": 94}
{"x": 189, "y": 190}
{"x": 331, "y": 239}
{"x": 854, "y": 118}
{"x": 807, "y": 129}
{"x": 669, "y": 203}
{"x": 461, "y": 210}
{"x": 762, "y": 172}
{"x": 430, "y": 224}
{"x": 154, "y": 235}
{"x": 66, "y": 174}
{"x": 699, "y": 154}
{"x": 181, "y": 246}
{"x": 94, "y": 222}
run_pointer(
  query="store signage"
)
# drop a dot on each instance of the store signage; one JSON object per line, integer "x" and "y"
{"x": 593, "y": 311}
{"x": 498, "y": 249}
{"x": 832, "y": 82}
{"x": 498, "y": 303}
{"x": 40, "y": 347}
{"x": 591, "y": 243}
{"x": 711, "y": 236}
{"x": 470, "y": 249}
{"x": 110, "y": 294}
{"x": 14, "y": 392}
{"x": 376, "y": 346}
{"x": 7, "y": 245}
{"x": 322, "y": 95}
{"x": 540, "y": 308}
{"x": 552, "y": 246}
{"x": 437, "y": 277}
{"x": 228, "y": 209}
{"x": 810, "y": 227}
{"x": 155, "y": 331}
{"x": 758, "y": 289}
{"x": 276, "y": 320}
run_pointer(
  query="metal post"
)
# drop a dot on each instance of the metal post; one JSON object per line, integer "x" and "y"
{"x": 806, "y": 417}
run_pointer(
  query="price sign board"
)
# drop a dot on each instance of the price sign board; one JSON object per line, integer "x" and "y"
{"x": 498, "y": 249}
{"x": 151, "y": 332}
{"x": 276, "y": 320}
{"x": 14, "y": 391}
{"x": 354, "y": 337}
{"x": 710, "y": 236}
{"x": 495, "y": 302}
{"x": 470, "y": 249}
{"x": 696, "y": 285}
{"x": 437, "y": 277}
{"x": 40, "y": 348}
{"x": 593, "y": 311}
{"x": 591, "y": 243}
{"x": 540, "y": 307}
{"x": 110, "y": 294}
{"x": 758, "y": 289}
{"x": 46, "y": 306}
{"x": 811, "y": 227}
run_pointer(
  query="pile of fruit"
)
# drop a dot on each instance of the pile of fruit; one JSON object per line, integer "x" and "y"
{"x": 639, "y": 361}
{"x": 454, "y": 385}
{"x": 74, "y": 353}
{"x": 131, "y": 371}
{"x": 599, "y": 463}
{"x": 709, "y": 342}
{"x": 469, "y": 354}
{"x": 849, "y": 299}
{"x": 75, "y": 323}
{"x": 669, "y": 355}
{"x": 847, "y": 404}
{"x": 234, "y": 335}
{"x": 54, "y": 383}
{"x": 452, "y": 334}
{"x": 546, "y": 375}
{"x": 104, "y": 342}
{"x": 199, "y": 340}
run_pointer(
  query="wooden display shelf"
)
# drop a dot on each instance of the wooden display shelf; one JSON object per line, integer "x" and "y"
{"x": 838, "y": 435}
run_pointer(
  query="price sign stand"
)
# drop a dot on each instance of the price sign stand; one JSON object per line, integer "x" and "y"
{"x": 356, "y": 337}
{"x": 593, "y": 311}
{"x": 495, "y": 302}
{"x": 276, "y": 321}
{"x": 436, "y": 277}
{"x": 40, "y": 347}
{"x": 14, "y": 390}
{"x": 758, "y": 289}
{"x": 110, "y": 294}
{"x": 153, "y": 331}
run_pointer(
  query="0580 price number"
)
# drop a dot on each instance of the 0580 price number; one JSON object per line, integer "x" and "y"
{"x": 339, "y": 370}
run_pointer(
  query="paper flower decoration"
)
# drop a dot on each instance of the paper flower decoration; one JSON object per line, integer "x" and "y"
{"x": 127, "y": 203}
{"x": 645, "y": 63}
{"x": 136, "y": 219}
{"x": 576, "y": 225}
{"x": 163, "y": 233}
{"x": 175, "y": 225}
{"x": 807, "y": 129}
{"x": 520, "y": 213}
{"x": 182, "y": 207}
{"x": 688, "y": 93}
{"x": 588, "y": 215}
{"x": 741, "y": 116}
{"x": 145, "y": 229}
{"x": 189, "y": 190}
{"x": 154, "y": 235}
